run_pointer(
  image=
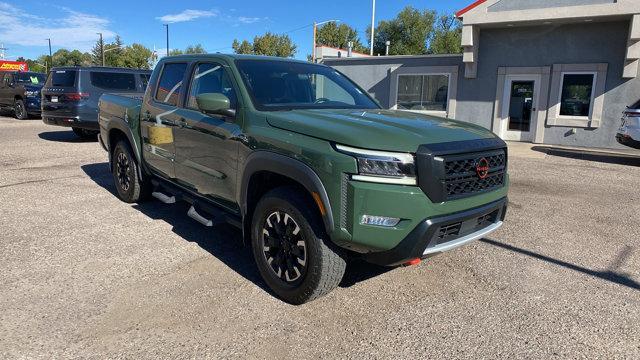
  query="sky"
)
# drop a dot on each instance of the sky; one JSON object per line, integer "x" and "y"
{"x": 25, "y": 25}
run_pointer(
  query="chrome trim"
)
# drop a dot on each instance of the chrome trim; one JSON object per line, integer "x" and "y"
{"x": 450, "y": 245}
{"x": 385, "y": 180}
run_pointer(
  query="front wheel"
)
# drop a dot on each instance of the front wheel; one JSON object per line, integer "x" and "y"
{"x": 129, "y": 186}
{"x": 292, "y": 251}
{"x": 20, "y": 110}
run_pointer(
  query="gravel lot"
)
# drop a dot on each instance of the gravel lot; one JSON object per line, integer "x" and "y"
{"x": 87, "y": 276}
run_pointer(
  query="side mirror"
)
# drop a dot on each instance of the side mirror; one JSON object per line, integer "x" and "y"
{"x": 215, "y": 104}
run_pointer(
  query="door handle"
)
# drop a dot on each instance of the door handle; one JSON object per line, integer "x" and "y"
{"x": 182, "y": 122}
{"x": 146, "y": 116}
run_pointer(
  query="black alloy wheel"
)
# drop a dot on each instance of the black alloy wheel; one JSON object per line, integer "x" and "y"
{"x": 20, "y": 110}
{"x": 123, "y": 171}
{"x": 284, "y": 247}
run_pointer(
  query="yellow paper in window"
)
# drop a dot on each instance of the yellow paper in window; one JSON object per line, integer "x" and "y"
{"x": 34, "y": 79}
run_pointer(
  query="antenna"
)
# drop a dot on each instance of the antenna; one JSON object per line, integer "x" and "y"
{"x": 2, "y": 51}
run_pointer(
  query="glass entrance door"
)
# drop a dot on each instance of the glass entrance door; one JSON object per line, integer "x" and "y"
{"x": 519, "y": 113}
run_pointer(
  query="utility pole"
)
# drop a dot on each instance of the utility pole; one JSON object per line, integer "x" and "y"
{"x": 101, "y": 48}
{"x": 167, "y": 26}
{"x": 373, "y": 23}
{"x": 50, "y": 57}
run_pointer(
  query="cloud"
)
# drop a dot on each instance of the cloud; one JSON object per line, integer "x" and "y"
{"x": 74, "y": 29}
{"x": 248, "y": 20}
{"x": 187, "y": 15}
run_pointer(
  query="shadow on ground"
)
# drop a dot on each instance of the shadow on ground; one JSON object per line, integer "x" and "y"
{"x": 64, "y": 136}
{"x": 609, "y": 158}
{"x": 611, "y": 274}
{"x": 222, "y": 241}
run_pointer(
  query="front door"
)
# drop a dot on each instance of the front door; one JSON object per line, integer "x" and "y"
{"x": 519, "y": 112}
{"x": 206, "y": 145}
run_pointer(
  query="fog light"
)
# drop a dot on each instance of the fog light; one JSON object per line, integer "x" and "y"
{"x": 379, "y": 220}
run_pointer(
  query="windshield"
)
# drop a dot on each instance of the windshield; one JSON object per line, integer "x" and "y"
{"x": 286, "y": 85}
{"x": 30, "y": 78}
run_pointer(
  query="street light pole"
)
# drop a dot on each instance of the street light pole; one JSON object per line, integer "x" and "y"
{"x": 167, "y": 26}
{"x": 373, "y": 22}
{"x": 50, "y": 57}
{"x": 101, "y": 48}
{"x": 315, "y": 35}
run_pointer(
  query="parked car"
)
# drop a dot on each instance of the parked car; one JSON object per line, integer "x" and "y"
{"x": 306, "y": 164}
{"x": 20, "y": 92}
{"x": 629, "y": 132}
{"x": 70, "y": 95}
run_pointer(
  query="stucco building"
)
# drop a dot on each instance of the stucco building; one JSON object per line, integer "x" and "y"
{"x": 544, "y": 71}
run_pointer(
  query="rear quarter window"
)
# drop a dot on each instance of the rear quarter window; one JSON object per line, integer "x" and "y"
{"x": 62, "y": 78}
{"x": 113, "y": 81}
{"x": 170, "y": 86}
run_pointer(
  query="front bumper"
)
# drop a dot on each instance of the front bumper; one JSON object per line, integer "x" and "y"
{"x": 32, "y": 105}
{"x": 626, "y": 140}
{"x": 443, "y": 233}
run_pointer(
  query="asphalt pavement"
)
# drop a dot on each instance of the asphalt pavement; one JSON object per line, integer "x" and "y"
{"x": 84, "y": 275}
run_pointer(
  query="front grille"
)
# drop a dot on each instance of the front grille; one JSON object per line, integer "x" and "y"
{"x": 449, "y": 171}
{"x": 462, "y": 178}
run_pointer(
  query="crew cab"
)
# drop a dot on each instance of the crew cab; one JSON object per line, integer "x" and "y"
{"x": 20, "y": 92}
{"x": 306, "y": 164}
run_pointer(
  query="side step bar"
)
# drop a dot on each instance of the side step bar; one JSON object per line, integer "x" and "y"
{"x": 199, "y": 218}
{"x": 164, "y": 198}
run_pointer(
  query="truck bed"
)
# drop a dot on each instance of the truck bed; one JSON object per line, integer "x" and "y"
{"x": 124, "y": 107}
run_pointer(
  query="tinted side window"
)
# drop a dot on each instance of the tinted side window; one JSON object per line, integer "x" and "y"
{"x": 144, "y": 78}
{"x": 113, "y": 81}
{"x": 170, "y": 86}
{"x": 210, "y": 78}
{"x": 63, "y": 78}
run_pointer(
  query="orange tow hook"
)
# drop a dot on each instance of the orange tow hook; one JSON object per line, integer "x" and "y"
{"x": 412, "y": 262}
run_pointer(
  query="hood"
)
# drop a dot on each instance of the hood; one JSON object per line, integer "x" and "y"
{"x": 390, "y": 130}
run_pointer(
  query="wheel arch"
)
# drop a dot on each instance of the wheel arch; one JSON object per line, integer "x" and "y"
{"x": 295, "y": 171}
{"x": 117, "y": 132}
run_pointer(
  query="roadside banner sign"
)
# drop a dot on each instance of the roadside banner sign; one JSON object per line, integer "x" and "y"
{"x": 6, "y": 65}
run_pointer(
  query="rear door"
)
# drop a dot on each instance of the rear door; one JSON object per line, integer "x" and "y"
{"x": 6, "y": 92}
{"x": 159, "y": 118}
{"x": 206, "y": 146}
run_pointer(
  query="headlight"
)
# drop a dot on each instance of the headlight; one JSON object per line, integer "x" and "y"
{"x": 32, "y": 93}
{"x": 382, "y": 166}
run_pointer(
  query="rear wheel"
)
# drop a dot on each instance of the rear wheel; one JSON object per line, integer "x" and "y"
{"x": 292, "y": 251}
{"x": 129, "y": 186}
{"x": 85, "y": 134}
{"x": 20, "y": 110}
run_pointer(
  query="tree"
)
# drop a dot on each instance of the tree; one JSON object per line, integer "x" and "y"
{"x": 64, "y": 57}
{"x": 175, "y": 52}
{"x": 268, "y": 44}
{"x": 339, "y": 36}
{"x": 195, "y": 49}
{"x": 447, "y": 36}
{"x": 243, "y": 47}
{"x": 135, "y": 56}
{"x": 409, "y": 32}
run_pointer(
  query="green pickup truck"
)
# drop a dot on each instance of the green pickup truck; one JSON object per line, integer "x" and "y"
{"x": 306, "y": 164}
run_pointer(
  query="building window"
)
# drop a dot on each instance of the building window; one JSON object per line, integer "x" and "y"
{"x": 576, "y": 95}
{"x": 423, "y": 92}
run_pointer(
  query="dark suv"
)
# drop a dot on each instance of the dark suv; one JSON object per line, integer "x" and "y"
{"x": 70, "y": 95}
{"x": 20, "y": 93}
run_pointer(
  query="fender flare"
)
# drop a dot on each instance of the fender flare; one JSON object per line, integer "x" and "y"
{"x": 287, "y": 167}
{"x": 121, "y": 126}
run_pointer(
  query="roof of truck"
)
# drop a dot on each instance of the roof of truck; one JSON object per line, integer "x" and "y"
{"x": 232, "y": 57}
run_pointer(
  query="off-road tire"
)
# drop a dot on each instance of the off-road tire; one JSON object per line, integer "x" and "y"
{"x": 324, "y": 263}
{"x": 125, "y": 172}
{"x": 20, "y": 110}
